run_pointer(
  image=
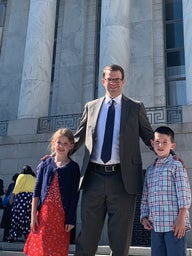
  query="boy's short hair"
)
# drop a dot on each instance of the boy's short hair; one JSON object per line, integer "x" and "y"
{"x": 166, "y": 130}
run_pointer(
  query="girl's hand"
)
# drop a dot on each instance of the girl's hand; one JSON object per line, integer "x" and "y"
{"x": 68, "y": 227}
{"x": 34, "y": 223}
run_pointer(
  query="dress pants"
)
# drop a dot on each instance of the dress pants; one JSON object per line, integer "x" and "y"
{"x": 104, "y": 195}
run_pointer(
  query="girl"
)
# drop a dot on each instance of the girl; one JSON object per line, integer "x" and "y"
{"x": 54, "y": 200}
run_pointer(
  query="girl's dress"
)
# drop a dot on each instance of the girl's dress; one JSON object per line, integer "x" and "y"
{"x": 50, "y": 239}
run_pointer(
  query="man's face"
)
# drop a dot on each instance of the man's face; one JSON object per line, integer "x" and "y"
{"x": 113, "y": 83}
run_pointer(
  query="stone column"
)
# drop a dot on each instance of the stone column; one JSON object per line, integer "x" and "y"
{"x": 187, "y": 24}
{"x": 114, "y": 36}
{"x": 36, "y": 77}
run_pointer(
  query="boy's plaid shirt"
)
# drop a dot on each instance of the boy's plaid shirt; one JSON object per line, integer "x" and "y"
{"x": 166, "y": 190}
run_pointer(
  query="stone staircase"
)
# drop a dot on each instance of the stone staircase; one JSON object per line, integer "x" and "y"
{"x": 15, "y": 249}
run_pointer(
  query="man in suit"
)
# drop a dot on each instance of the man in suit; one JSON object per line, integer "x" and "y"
{"x": 110, "y": 188}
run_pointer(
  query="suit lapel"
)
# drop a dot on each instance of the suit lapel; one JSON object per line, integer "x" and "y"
{"x": 94, "y": 112}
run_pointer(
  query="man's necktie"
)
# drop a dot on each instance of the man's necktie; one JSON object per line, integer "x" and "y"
{"x": 108, "y": 135}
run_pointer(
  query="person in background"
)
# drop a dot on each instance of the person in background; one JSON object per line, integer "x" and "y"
{"x": 7, "y": 216}
{"x": 1, "y": 193}
{"x": 21, "y": 203}
{"x": 166, "y": 198}
{"x": 111, "y": 175}
{"x": 55, "y": 199}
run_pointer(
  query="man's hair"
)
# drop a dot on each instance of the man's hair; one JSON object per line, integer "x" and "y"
{"x": 113, "y": 67}
{"x": 166, "y": 130}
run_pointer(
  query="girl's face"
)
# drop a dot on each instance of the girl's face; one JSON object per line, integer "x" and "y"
{"x": 162, "y": 145}
{"x": 63, "y": 146}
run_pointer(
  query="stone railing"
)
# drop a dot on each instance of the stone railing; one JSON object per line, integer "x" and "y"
{"x": 3, "y": 128}
{"x": 52, "y": 123}
{"x": 156, "y": 115}
{"x": 165, "y": 115}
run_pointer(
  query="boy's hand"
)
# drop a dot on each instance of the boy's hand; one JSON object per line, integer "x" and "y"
{"x": 147, "y": 224}
{"x": 179, "y": 228}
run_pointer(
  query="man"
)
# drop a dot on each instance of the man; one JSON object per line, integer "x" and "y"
{"x": 110, "y": 187}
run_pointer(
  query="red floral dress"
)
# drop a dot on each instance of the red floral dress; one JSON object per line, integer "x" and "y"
{"x": 50, "y": 239}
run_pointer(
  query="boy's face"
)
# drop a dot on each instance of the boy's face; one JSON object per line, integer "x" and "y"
{"x": 162, "y": 145}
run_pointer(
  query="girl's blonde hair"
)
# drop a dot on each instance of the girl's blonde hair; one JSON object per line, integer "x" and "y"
{"x": 59, "y": 133}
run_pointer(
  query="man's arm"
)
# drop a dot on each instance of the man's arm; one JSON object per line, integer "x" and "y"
{"x": 146, "y": 131}
{"x": 81, "y": 131}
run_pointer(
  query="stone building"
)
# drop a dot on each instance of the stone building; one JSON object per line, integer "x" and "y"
{"x": 52, "y": 53}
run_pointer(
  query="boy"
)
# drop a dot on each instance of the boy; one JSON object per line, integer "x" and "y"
{"x": 166, "y": 198}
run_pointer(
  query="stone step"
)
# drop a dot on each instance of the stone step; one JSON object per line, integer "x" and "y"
{"x": 15, "y": 249}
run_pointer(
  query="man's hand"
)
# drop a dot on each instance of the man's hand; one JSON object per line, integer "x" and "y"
{"x": 45, "y": 157}
{"x": 176, "y": 157}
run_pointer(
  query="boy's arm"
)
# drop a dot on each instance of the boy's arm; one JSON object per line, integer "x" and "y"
{"x": 184, "y": 200}
{"x": 179, "y": 225}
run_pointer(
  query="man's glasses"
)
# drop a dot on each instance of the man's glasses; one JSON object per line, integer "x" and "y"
{"x": 113, "y": 80}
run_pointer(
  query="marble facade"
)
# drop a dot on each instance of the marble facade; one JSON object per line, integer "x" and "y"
{"x": 37, "y": 64}
{"x": 187, "y": 24}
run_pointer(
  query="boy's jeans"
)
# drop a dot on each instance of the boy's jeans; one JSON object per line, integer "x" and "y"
{"x": 166, "y": 244}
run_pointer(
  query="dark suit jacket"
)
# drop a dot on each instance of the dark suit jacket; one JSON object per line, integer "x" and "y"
{"x": 134, "y": 125}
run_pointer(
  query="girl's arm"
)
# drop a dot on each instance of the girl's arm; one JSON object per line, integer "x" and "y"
{"x": 34, "y": 218}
